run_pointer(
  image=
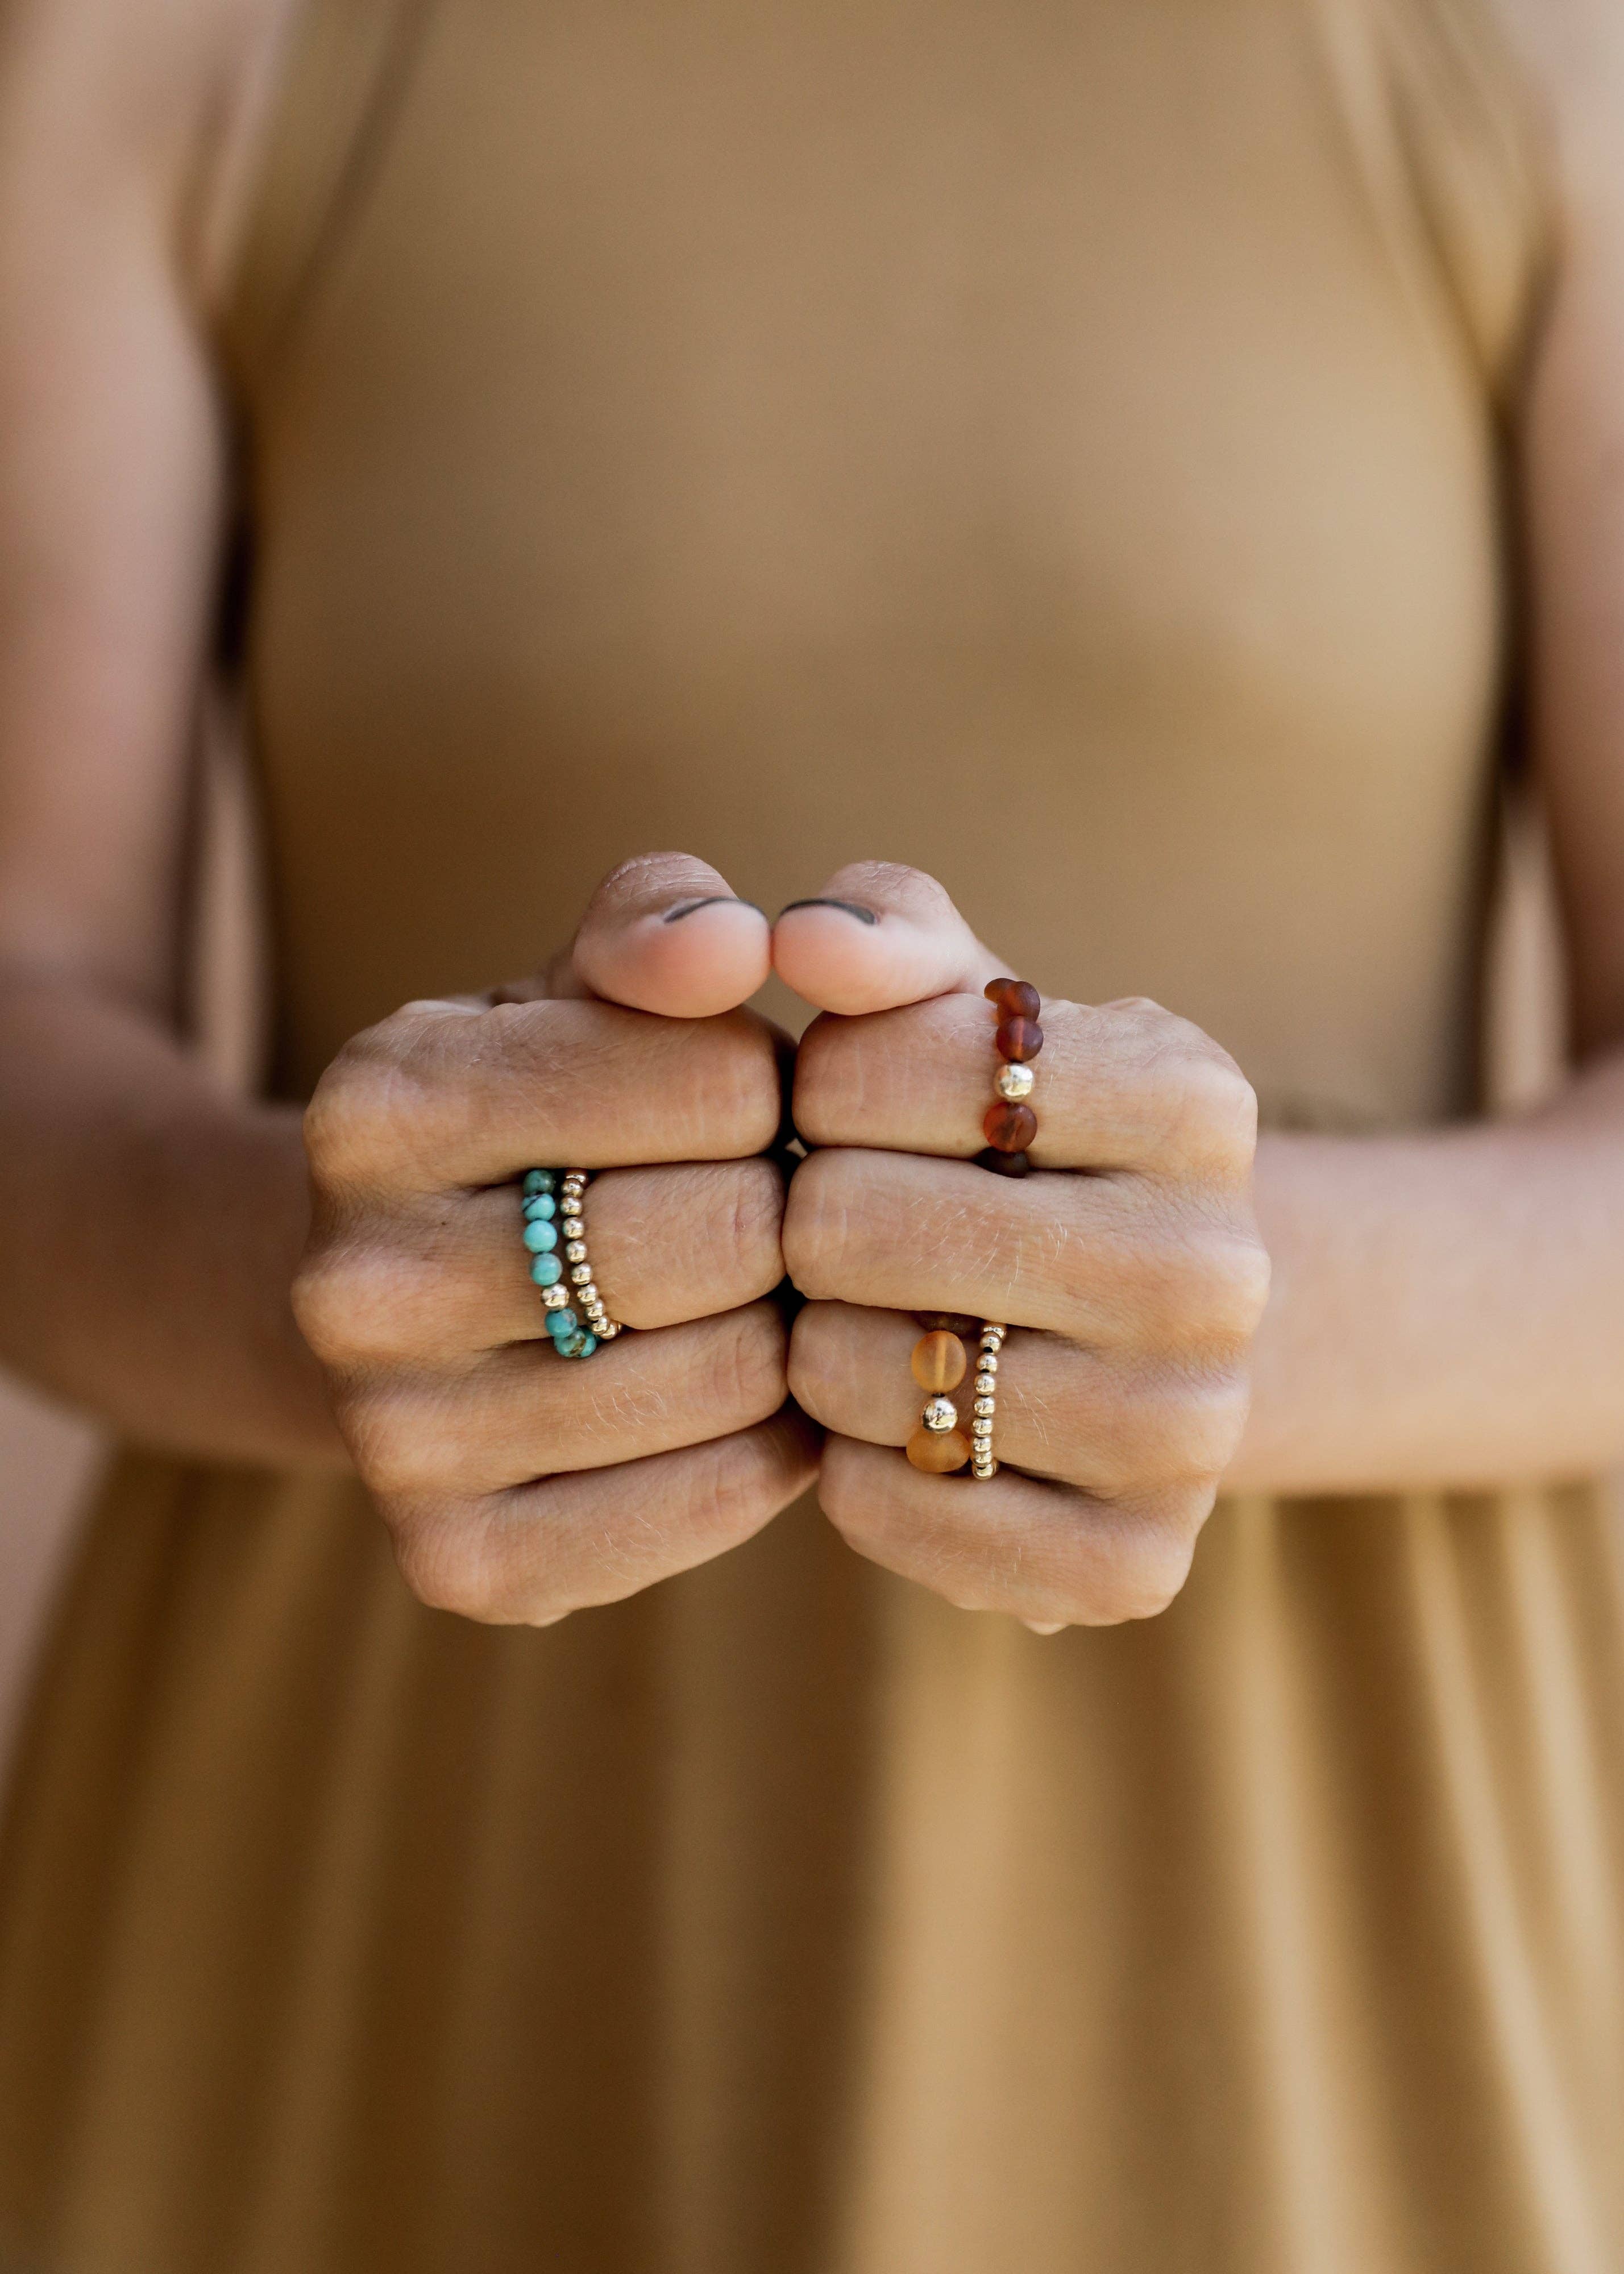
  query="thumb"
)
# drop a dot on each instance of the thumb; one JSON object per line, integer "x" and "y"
{"x": 665, "y": 932}
{"x": 876, "y": 937}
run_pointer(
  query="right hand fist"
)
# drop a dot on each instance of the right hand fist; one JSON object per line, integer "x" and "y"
{"x": 519, "y": 1486}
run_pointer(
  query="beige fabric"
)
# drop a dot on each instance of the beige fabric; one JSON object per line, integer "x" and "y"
{"x": 1058, "y": 445}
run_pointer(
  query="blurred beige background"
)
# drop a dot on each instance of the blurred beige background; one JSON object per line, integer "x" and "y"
{"x": 48, "y": 1458}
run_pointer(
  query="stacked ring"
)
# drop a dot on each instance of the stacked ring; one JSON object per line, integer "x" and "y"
{"x": 549, "y": 1213}
{"x": 603, "y": 1328}
{"x": 1011, "y": 1124}
{"x": 982, "y": 1462}
{"x": 938, "y": 1445}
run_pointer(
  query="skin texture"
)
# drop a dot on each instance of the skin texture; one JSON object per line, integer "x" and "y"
{"x": 518, "y": 1485}
{"x": 1446, "y": 1308}
{"x": 1141, "y": 1283}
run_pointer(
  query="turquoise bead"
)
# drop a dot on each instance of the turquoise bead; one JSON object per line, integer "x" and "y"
{"x": 538, "y": 1180}
{"x": 540, "y": 1204}
{"x": 540, "y": 1237}
{"x": 578, "y": 1345}
{"x": 561, "y": 1323}
{"x": 547, "y": 1270}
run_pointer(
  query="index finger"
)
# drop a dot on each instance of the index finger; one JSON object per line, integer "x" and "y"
{"x": 446, "y": 1094}
{"x": 1123, "y": 1085}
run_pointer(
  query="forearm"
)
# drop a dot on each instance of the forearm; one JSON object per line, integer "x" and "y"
{"x": 1447, "y": 1309}
{"x": 150, "y": 1227}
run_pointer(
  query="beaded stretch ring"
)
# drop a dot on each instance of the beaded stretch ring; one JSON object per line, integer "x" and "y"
{"x": 982, "y": 1462}
{"x": 939, "y": 1362}
{"x": 549, "y": 1213}
{"x": 1011, "y": 1124}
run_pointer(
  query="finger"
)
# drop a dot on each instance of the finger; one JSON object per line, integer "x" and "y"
{"x": 667, "y": 933}
{"x": 1060, "y": 1411}
{"x": 525, "y": 1412}
{"x": 874, "y": 936}
{"x": 532, "y": 1555}
{"x": 1118, "y": 1086}
{"x": 441, "y": 1095}
{"x": 1043, "y": 1552}
{"x": 664, "y": 1245}
{"x": 1119, "y": 1264}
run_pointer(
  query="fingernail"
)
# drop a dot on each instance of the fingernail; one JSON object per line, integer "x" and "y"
{"x": 850, "y": 908}
{"x": 714, "y": 901}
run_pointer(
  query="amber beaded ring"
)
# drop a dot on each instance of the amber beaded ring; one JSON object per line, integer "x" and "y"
{"x": 938, "y": 1445}
{"x": 1011, "y": 1125}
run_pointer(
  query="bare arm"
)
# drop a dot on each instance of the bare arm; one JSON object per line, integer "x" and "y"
{"x": 149, "y": 1224}
{"x": 1451, "y": 1308}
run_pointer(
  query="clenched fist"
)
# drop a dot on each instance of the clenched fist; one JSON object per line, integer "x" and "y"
{"x": 519, "y": 1486}
{"x": 1128, "y": 1266}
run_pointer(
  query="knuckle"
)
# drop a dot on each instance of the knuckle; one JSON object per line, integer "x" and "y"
{"x": 814, "y": 1371}
{"x": 740, "y": 1083}
{"x": 447, "y": 1563}
{"x": 1204, "y": 1286}
{"x": 828, "y": 1079}
{"x": 1207, "y": 1110}
{"x": 351, "y": 1120}
{"x": 1197, "y": 1109}
{"x": 1193, "y": 1427}
{"x": 348, "y": 1303}
{"x": 1237, "y": 1284}
{"x": 752, "y": 1226}
{"x": 846, "y": 1074}
{"x": 400, "y": 1451}
{"x": 750, "y": 1376}
{"x": 321, "y": 1306}
{"x": 848, "y": 1496}
{"x": 817, "y": 1225}
{"x": 754, "y": 1471}
{"x": 1150, "y": 1572}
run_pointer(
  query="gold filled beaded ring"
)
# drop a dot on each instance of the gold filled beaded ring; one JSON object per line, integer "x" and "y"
{"x": 986, "y": 1401}
{"x": 551, "y": 1206}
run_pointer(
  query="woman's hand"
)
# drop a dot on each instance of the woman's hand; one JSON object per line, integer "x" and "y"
{"x": 1128, "y": 1266}
{"x": 519, "y": 1486}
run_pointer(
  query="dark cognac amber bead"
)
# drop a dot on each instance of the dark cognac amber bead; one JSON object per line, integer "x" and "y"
{"x": 1012, "y": 1128}
{"x": 1016, "y": 998}
{"x": 1018, "y": 1040}
{"x": 948, "y": 1322}
{"x": 1004, "y": 1164}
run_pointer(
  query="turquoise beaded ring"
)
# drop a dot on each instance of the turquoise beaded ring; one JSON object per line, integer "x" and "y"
{"x": 554, "y": 1236}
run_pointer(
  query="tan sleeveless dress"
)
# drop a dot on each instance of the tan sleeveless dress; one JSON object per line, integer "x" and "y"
{"x": 1059, "y": 446}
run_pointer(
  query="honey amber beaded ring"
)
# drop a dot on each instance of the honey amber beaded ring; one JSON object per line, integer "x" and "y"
{"x": 1011, "y": 1124}
{"x": 939, "y": 1445}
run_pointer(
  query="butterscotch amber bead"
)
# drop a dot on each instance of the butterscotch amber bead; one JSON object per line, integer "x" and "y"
{"x": 947, "y": 1322}
{"x": 938, "y": 1451}
{"x": 1018, "y": 1040}
{"x": 1015, "y": 997}
{"x": 1004, "y": 1164}
{"x": 1012, "y": 1128}
{"x": 939, "y": 1361}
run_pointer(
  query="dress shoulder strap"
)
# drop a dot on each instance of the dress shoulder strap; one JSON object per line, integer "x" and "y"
{"x": 346, "y": 71}
{"x": 1449, "y": 138}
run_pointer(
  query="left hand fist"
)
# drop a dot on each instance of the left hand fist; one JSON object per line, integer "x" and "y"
{"x": 1128, "y": 1265}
